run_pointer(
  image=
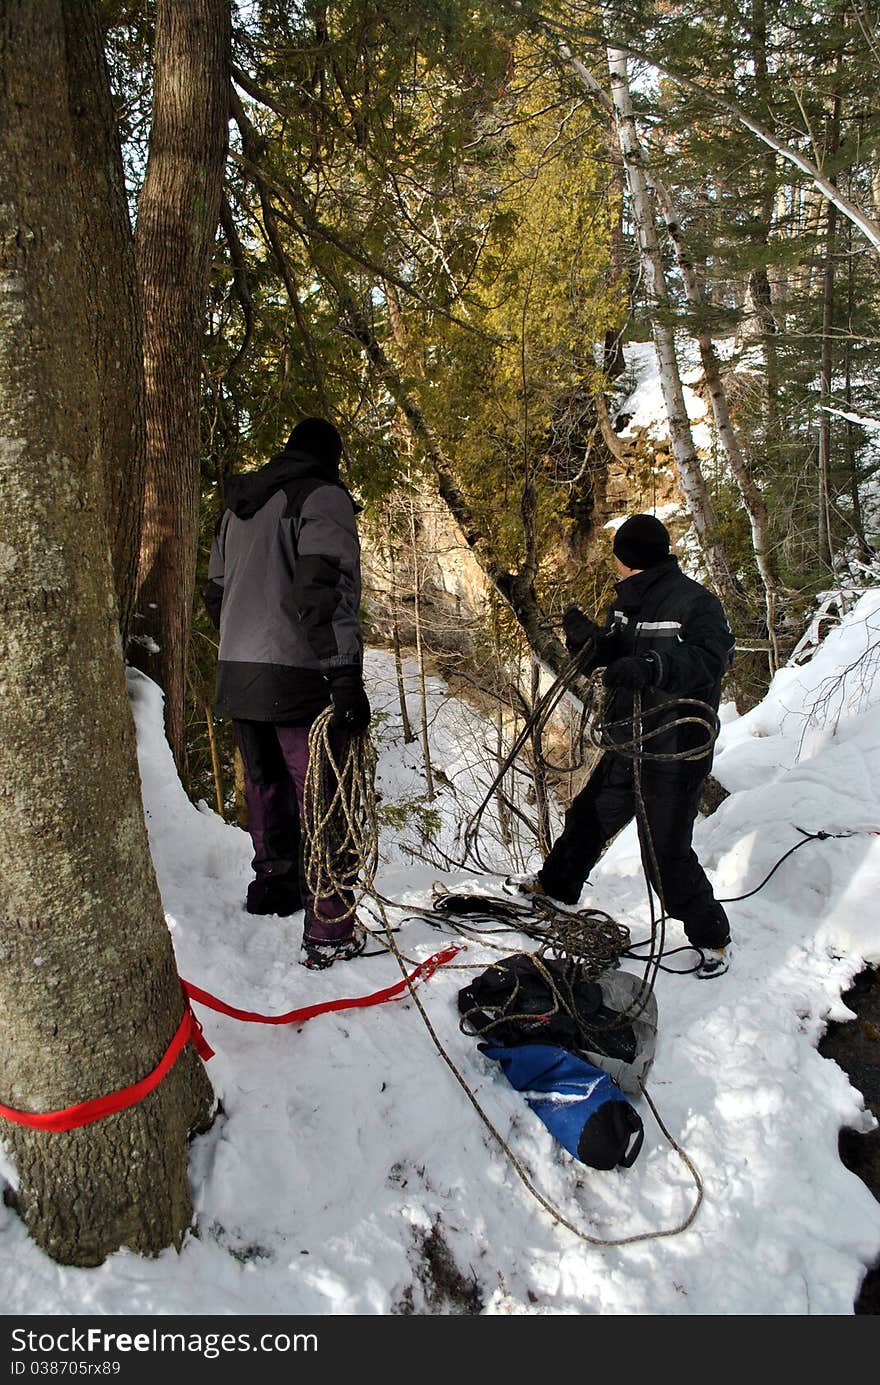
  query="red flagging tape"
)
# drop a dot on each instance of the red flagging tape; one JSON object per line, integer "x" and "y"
{"x": 85, "y": 1112}
{"x": 420, "y": 973}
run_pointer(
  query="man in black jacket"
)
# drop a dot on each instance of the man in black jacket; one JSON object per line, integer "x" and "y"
{"x": 284, "y": 591}
{"x": 666, "y": 637}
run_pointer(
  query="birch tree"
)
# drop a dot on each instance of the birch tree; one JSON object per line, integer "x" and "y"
{"x": 752, "y": 499}
{"x": 687, "y": 462}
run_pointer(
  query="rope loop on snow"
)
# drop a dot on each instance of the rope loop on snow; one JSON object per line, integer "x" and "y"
{"x": 340, "y": 810}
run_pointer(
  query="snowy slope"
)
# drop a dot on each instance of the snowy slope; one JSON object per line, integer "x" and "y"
{"x": 347, "y": 1146}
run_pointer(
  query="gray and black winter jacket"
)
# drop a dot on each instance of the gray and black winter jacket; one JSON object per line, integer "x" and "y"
{"x": 680, "y": 626}
{"x": 284, "y": 590}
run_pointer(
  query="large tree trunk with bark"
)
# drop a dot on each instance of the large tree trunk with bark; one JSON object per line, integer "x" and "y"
{"x": 114, "y": 315}
{"x": 89, "y": 991}
{"x": 178, "y": 214}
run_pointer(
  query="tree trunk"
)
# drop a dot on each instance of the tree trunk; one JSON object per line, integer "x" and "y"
{"x": 408, "y": 733}
{"x": 216, "y": 770}
{"x": 752, "y": 499}
{"x": 613, "y": 359}
{"x": 825, "y": 544}
{"x": 865, "y": 551}
{"x": 502, "y": 805}
{"x": 430, "y": 791}
{"x": 89, "y": 991}
{"x": 759, "y": 289}
{"x": 240, "y": 787}
{"x": 178, "y": 213}
{"x": 750, "y": 494}
{"x": 687, "y": 462}
{"x": 539, "y": 773}
{"x": 114, "y": 318}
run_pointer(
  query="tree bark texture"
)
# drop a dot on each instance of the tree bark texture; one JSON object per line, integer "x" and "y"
{"x": 866, "y": 553}
{"x": 114, "y": 316}
{"x": 89, "y": 991}
{"x": 177, "y": 220}
{"x": 420, "y": 655}
{"x": 826, "y": 544}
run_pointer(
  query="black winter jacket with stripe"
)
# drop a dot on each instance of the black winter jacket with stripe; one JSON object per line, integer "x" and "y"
{"x": 284, "y": 589}
{"x": 682, "y": 628}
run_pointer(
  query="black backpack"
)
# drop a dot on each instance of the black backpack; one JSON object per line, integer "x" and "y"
{"x": 532, "y": 999}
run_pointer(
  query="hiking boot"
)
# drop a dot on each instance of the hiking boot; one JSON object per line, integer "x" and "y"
{"x": 523, "y": 884}
{"x": 716, "y": 961}
{"x": 317, "y": 953}
{"x": 270, "y": 894}
{"x": 531, "y": 886}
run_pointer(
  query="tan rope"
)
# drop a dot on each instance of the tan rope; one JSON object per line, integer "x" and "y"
{"x": 341, "y": 846}
{"x": 341, "y": 854}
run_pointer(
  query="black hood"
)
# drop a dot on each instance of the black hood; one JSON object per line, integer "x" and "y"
{"x": 247, "y": 494}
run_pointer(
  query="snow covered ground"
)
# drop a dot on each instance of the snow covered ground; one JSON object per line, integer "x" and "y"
{"x": 349, "y": 1173}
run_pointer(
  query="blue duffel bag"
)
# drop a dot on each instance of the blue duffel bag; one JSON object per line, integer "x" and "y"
{"x": 579, "y": 1104}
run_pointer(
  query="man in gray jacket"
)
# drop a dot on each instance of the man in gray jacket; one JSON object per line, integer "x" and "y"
{"x": 284, "y": 591}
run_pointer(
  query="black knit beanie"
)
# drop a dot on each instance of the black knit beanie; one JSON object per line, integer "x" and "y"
{"x": 319, "y": 438}
{"x": 641, "y": 541}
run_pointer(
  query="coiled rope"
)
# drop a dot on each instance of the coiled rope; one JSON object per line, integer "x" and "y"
{"x": 343, "y": 851}
{"x": 629, "y": 738}
{"x": 340, "y": 795}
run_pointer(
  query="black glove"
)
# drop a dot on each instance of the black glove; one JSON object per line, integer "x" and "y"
{"x": 634, "y": 672}
{"x": 579, "y": 629}
{"x": 351, "y": 706}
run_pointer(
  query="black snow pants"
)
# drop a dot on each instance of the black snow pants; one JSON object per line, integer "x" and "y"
{"x": 605, "y": 805}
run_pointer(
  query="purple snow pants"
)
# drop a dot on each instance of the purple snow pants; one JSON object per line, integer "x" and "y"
{"x": 276, "y": 760}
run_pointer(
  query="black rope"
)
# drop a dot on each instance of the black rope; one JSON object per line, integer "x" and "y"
{"x": 808, "y": 837}
{"x": 633, "y": 955}
{"x": 583, "y": 936}
{"x": 820, "y": 836}
{"x": 564, "y": 935}
{"x": 571, "y": 674}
